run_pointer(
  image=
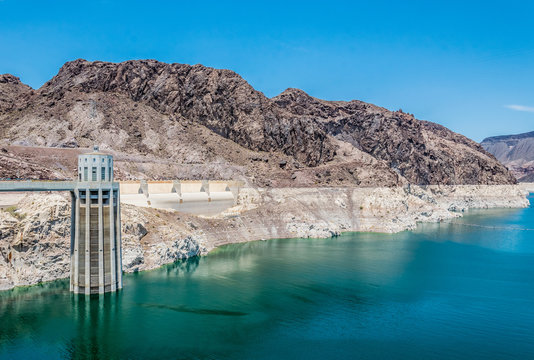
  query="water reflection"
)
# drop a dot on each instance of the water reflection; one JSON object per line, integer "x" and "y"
{"x": 97, "y": 327}
{"x": 182, "y": 267}
{"x": 21, "y": 309}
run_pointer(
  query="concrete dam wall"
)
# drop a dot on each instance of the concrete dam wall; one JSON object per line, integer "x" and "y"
{"x": 206, "y": 197}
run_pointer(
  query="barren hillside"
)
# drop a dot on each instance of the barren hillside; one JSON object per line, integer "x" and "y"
{"x": 516, "y": 152}
{"x": 180, "y": 121}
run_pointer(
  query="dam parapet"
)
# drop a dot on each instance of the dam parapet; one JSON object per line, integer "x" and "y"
{"x": 171, "y": 193}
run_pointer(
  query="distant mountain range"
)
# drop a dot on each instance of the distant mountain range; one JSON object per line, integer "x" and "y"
{"x": 181, "y": 121}
{"x": 514, "y": 151}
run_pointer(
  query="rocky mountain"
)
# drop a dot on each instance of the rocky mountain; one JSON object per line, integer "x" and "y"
{"x": 515, "y": 151}
{"x": 180, "y": 121}
{"x": 420, "y": 151}
{"x": 10, "y": 89}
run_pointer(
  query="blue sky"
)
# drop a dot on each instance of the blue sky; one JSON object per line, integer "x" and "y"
{"x": 468, "y": 65}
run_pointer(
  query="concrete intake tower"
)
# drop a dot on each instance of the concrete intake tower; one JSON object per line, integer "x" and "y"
{"x": 95, "y": 249}
{"x": 96, "y": 260}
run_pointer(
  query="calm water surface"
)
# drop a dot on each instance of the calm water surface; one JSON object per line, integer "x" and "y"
{"x": 462, "y": 290}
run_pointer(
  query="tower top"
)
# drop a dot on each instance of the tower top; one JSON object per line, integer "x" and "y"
{"x": 96, "y": 151}
{"x": 95, "y": 166}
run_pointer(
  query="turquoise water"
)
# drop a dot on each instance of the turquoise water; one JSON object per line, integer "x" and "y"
{"x": 445, "y": 291}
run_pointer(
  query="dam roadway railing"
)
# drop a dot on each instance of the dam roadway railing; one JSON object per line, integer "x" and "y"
{"x": 36, "y": 185}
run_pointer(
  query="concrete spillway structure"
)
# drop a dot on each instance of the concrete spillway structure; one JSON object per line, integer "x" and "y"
{"x": 171, "y": 194}
{"x": 96, "y": 260}
{"x": 95, "y": 251}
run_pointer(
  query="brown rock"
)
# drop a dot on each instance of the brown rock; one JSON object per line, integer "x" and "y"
{"x": 180, "y": 121}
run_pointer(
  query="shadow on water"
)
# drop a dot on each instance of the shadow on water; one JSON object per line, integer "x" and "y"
{"x": 301, "y": 298}
{"x": 185, "y": 309}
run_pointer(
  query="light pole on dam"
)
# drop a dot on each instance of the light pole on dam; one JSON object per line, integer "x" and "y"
{"x": 95, "y": 251}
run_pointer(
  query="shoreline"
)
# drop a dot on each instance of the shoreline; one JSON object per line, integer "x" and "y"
{"x": 38, "y": 244}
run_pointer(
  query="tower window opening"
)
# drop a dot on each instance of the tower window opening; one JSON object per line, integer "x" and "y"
{"x": 94, "y": 196}
{"x": 105, "y": 197}
{"x": 103, "y": 173}
{"x": 85, "y": 176}
{"x": 93, "y": 172}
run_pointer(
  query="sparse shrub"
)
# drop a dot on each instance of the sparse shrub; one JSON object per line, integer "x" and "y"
{"x": 12, "y": 210}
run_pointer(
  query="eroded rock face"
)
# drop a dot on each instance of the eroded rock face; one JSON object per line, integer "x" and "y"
{"x": 217, "y": 99}
{"x": 514, "y": 151}
{"x": 11, "y": 88}
{"x": 35, "y": 240}
{"x": 420, "y": 151}
{"x": 150, "y": 239}
{"x": 166, "y": 114}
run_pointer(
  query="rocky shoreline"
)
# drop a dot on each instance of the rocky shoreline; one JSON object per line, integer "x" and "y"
{"x": 35, "y": 235}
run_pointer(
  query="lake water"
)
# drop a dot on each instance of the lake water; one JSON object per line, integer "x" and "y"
{"x": 461, "y": 290}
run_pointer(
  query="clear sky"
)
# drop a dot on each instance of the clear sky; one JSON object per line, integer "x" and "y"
{"x": 468, "y": 65}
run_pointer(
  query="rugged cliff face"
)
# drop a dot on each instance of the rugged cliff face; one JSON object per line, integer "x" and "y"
{"x": 10, "y": 90}
{"x": 175, "y": 120}
{"x": 514, "y": 151}
{"x": 420, "y": 151}
{"x": 220, "y": 100}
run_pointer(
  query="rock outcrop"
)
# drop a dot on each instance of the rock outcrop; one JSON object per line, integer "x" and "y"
{"x": 164, "y": 120}
{"x": 514, "y": 151}
{"x": 35, "y": 240}
{"x": 11, "y": 88}
{"x": 420, "y": 151}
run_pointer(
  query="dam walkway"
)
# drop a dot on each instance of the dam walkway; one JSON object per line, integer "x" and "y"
{"x": 36, "y": 185}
